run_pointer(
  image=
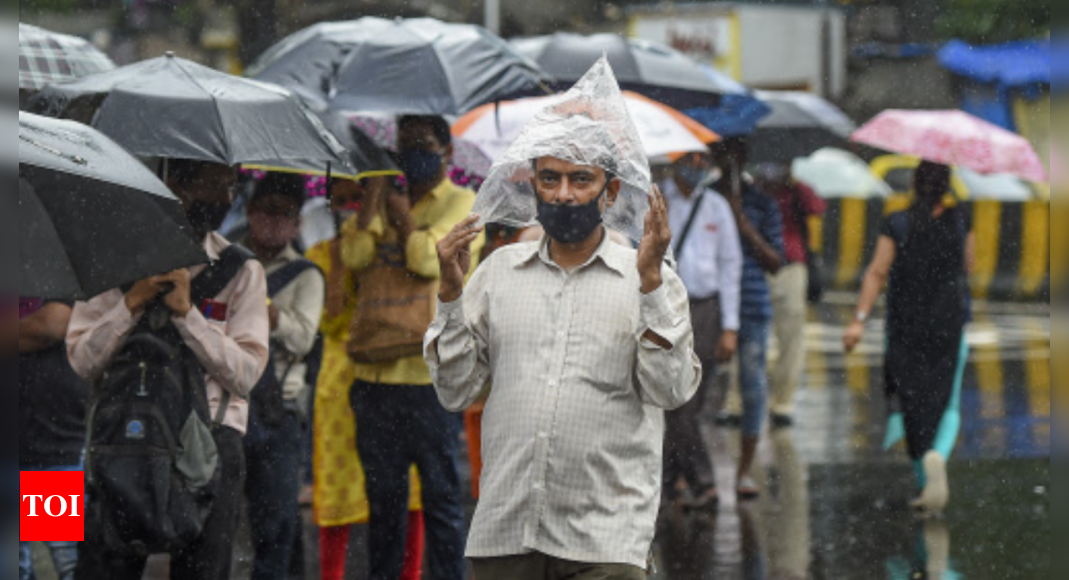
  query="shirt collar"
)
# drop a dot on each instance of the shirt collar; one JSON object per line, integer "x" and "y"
{"x": 608, "y": 253}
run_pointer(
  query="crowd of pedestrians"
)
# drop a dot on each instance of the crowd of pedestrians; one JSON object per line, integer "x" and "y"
{"x": 590, "y": 343}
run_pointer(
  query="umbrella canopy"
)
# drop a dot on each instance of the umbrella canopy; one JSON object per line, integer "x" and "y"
{"x": 997, "y": 187}
{"x": 419, "y": 66}
{"x": 651, "y": 69}
{"x": 90, "y": 216}
{"x": 47, "y": 57}
{"x": 953, "y": 138}
{"x": 834, "y": 173}
{"x": 799, "y": 125}
{"x": 172, "y": 108}
{"x": 664, "y": 132}
{"x": 468, "y": 158}
{"x": 739, "y": 110}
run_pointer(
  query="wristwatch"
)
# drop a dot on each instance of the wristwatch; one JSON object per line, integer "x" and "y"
{"x": 861, "y": 317}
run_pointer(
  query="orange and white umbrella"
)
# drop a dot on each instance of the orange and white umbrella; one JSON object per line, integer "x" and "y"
{"x": 666, "y": 133}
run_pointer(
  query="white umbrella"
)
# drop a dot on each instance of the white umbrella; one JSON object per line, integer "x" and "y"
{"x": 662, "y": 130}
{"x": 835, "y": 173}
{"x": 997, "y": 187}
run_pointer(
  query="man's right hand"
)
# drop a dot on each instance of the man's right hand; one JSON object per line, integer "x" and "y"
{"x": 142, "y": 293}
{"x": 454, "y": 257}
{"x": 728, "y": 346}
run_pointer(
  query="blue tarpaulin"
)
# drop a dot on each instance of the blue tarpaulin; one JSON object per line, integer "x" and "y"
{"x": 1015, "y": 65}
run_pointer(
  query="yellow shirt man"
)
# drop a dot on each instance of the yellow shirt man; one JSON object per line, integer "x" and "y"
{"x": 434, "y": 216}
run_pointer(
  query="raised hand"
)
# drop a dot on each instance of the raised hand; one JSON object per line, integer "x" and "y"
{"x": 656, "y": 240}
{"x": 454, "y": 257}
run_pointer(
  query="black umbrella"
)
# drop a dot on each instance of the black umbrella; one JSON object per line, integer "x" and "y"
{"x": 173, "y": 108}
{"x": 417, "y": 66}
{"x": 654, "y": 70}
{"x": 800, "y": 124}
{"x": 90, "y": 216}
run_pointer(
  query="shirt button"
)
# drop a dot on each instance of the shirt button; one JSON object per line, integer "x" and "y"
{"x": 552, "y": 383}
{"x": 560, "y": 334}
{"x": 537, "y": 487}
{"x": 543, "y": 435}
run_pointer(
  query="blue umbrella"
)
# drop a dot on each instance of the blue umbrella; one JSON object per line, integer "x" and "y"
{"x": 739, "y": 112}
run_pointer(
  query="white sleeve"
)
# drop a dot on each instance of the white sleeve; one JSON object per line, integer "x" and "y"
{"x": 729, "y": 265}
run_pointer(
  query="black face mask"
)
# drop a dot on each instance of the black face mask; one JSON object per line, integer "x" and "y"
{"x": 206, "y": 217}
{"x": 570, "y": 224}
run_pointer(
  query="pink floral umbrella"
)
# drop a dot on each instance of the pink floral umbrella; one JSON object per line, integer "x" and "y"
{"x": 953, "y": 138}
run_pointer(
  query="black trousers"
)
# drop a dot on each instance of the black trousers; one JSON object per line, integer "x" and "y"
{"x": 398, "y": 426}
{"x": 208, "y": 557}
{"x": 685, "y": 454}
{"x": 273, "y": 459}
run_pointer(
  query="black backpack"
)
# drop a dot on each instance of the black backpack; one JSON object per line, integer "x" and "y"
{"x": 152, "y": 464}
{"x": 266, "y": 403}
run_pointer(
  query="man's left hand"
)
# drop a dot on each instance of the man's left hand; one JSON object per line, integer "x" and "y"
{"x": 655, "y": 242}
{"x": 178, "y": 300}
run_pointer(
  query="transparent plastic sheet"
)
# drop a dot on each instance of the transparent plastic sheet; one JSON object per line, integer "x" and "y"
{"x": 588, "y": 125}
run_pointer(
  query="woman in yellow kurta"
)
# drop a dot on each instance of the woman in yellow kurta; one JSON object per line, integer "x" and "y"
{"x": 339, "y": 499}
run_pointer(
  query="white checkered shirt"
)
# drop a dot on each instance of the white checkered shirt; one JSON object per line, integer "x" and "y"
{"x": 572, "y": 433}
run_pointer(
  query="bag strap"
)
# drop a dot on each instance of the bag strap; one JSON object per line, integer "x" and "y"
{"x": 284, "y": 276}
{"x": 209, "y": 284}
{"x": 690, "y": 224}
{"x": 218, "y": 275}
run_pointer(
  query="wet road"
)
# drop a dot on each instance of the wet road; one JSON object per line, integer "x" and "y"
{"x": 835, "y": 506}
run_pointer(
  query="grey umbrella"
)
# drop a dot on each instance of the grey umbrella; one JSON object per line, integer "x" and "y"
{"x": 419, "y": 66}
{"x": 172, "y": 108}
{"x": 648, "y": 68}
{"x": 90, "y": 217}
{"x": 800, "y": 124}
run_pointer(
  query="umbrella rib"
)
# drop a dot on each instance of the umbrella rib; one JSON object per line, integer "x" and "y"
{"x": 218, "y": 114}
{"x": 54, "y": 151}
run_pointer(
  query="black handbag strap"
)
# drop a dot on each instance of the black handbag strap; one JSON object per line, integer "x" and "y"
{"x": 218, "y": 275}
{"x": 689, "y": 225}
{"x": 209, "y": 284}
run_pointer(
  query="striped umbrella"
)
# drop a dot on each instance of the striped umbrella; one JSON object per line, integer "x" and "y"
{"x": 47, "y": 57}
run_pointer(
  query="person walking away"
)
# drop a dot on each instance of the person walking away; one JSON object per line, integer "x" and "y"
{"x": 52, "y": 407}
{"x": 761, "y": 233}
{"x": 707, "y": 248}
{"x": 273, "y": 445}
{"x": 585, "y": 342}
{"x": 921, "y": 256}
{"x": 790, "y": 287}
{"x": 399, "y": 420}
{"x": 228, "y": 337}
{"x": 339, "y": 499}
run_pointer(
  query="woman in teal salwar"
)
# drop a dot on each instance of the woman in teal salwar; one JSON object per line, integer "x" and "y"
{"x": 921, "y": 257}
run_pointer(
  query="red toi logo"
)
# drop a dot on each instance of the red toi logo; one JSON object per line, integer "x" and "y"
{"x": 53, "y": 506}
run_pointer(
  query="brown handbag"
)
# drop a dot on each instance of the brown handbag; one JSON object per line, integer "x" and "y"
{"x": 394, "y": 308}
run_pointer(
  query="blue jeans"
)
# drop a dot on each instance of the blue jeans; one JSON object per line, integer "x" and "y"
{"x": 753, "y": 374}
{"x": 398, "y": 426}
{"x": 64, "y": 554}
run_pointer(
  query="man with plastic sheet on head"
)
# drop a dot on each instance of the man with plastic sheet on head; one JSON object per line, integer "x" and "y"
{"x": 586, "y": 343}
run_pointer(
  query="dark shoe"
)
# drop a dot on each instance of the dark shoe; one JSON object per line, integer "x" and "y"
{"x": 709, "y": 500}
{"x": 728, "y": 420}
{"x": 782, "y": 421}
